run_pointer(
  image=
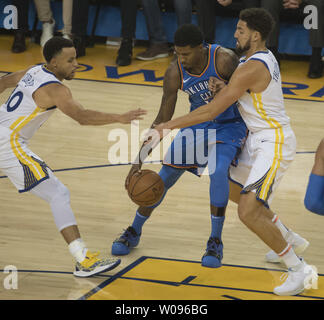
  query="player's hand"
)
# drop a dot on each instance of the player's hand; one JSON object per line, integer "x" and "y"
{"x": 224, "y": 3}
{"x": 132, "y": 115}
{"x": 136, "y": 168}
{"x": 154, "y": 135}
{"x": 291, "y": 4}
{"x": 215, "y": 85}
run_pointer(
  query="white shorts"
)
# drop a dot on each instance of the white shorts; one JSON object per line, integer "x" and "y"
{"x": 23, "y": 167}
{"x": 263, "y": 161}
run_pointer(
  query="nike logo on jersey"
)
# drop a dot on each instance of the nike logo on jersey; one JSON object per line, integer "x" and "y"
{"x": 184, "y": 81}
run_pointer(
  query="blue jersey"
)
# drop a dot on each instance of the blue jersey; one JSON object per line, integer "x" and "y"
{"x": 196, "y": 86}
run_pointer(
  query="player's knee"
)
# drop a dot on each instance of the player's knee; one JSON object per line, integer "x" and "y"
{"x": 219, "y": 178}
{"x": 245, "y": 213}
{"x": 170, "y": 175}
{"x": 219, "y": 175}
{"x": 62, "y": 193}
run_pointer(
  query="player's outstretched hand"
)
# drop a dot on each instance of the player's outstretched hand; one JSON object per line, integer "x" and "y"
{"x": 132, "y": 115}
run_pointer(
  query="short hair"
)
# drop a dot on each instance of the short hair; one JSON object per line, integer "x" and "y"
{"x": 188, "y": 35}
{"x": 54, "y": 46}
{"x": 258, "y": 19}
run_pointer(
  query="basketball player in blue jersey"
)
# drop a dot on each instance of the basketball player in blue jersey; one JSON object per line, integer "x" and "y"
{"x": 38, "y": 93}
{"x": 314, "y": 198}
{"x": 191, "y": 72}
{"x": 270, "y": 146}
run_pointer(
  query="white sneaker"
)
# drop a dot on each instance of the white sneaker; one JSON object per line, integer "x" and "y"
{"x": 302, "y": 277}
{"x": 92, "y": 265}
{"x": 48, "y": 32}
{"x": 298, "y": 243}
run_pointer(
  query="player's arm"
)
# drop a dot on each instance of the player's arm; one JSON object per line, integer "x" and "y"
{"x": 62, "y": 98}
{"x": 252, "y": 75}
{"x": 11, "y": 80}
{"x": 171, "y": 85}
{"x": 226, "y": 62}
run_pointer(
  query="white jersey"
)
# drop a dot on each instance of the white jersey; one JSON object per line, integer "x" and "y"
{"x": 264, "y": 110}
{"x": 20, "y": 114}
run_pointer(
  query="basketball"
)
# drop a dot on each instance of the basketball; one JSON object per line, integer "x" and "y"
{"x": 145, "y": 188}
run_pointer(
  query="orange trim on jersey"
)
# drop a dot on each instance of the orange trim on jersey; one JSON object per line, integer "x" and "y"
{"x": 207, "y": 66}
{"x": 181, "y": 74}
{"x": 221, "y": 78}
{"x": 180, "y": 167}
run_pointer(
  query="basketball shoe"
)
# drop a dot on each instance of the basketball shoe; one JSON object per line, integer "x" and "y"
{"x": 298, "y": 243}
{"x": 91, "y": 265}
{"x": 299, "y": 278}
{"x": 129, "y": 239}
{"x": 214, "y": 254}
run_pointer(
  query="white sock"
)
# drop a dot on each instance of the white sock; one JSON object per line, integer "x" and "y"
{"x": 289, "y": 257}
{"x": 280, "y": 226}
{"x": 78, "y": 249}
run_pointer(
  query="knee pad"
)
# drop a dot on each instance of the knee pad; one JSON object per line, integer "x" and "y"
{"x": 62, "y": 193}
{"x": 219, "y": 187}
{"x": 57, "y": 195}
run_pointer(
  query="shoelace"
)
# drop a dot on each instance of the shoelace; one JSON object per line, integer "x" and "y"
{"x": 213, "y": 245}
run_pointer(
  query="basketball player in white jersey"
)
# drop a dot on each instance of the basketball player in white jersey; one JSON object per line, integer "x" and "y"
{"x": 38, "y": 92}
{"x": 270, "y": 146}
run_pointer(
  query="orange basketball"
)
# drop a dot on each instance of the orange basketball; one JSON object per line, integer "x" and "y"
{"x": 145, "y": 188}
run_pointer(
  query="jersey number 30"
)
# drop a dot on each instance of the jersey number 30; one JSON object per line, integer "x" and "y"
{"x": 13, "y": 103}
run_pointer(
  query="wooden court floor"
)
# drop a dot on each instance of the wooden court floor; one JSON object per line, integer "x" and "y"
{"x": 166, "y": 264}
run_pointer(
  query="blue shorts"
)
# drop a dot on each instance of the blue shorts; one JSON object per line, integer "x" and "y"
{"x": 193, "y": 145}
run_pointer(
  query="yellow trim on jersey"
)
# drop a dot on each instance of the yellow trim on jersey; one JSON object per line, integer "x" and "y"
{"x": 17, "y": 149}
{"x": 268, "y": 182}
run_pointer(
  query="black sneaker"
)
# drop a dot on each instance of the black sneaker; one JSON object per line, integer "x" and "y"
{"x": 19, "y": 44}
{"x": 125, "y": 52}
{"x": 80, "y": 46}
{"x": 315, "y": 68}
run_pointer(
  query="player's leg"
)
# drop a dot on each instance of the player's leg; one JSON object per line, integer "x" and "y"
{"x": 271, "y": 160}
{"x": 131, "y": 236}
{"x": 219, "y": 195}
{"x": 53, "y": 191}
{"x": 235, "y": 191}
{"x": 255, "y": 216}
{"x": 314, "y": 198}
{"x": 238, "y": 178}
{"x": 31, "y": 174}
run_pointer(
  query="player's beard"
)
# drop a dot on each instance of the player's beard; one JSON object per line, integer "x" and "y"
{"x": 70, "y": 76}
{"x": 239, "y": 50}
